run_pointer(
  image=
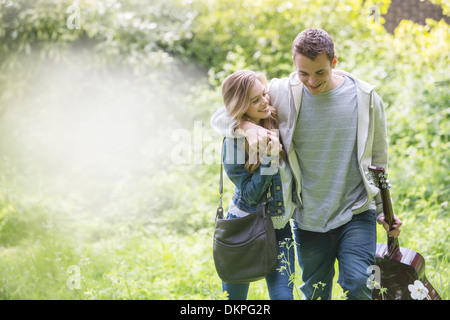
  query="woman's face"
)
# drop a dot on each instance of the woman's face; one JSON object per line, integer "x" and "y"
{"x": 259, "y": 103}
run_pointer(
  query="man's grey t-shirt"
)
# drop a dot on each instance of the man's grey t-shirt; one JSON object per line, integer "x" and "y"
{"x": 325, "y": 142}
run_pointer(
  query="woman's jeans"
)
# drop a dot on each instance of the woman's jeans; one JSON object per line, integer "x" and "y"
{"x": 353, "y": 245}
{"x": 278, "y": 283}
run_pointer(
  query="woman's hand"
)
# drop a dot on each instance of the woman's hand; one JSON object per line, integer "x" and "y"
{"x": 274, "y": 146}
{"x": 260, "y": 138}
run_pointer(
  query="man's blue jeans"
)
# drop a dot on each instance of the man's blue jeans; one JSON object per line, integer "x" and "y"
{"x": 278, "y": 283}
{"x": 353, "y": 245}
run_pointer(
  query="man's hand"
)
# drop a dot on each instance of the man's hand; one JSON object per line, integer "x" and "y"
{"x": 396, "y": 226}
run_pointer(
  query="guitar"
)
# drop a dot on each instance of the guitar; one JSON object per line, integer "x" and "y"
{"x": 399, "y": 266}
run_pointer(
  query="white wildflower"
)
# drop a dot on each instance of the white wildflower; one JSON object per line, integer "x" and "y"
{"x": 418, "y": 290}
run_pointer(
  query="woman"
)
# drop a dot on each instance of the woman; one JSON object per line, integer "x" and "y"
{"x": 259, "y": 176}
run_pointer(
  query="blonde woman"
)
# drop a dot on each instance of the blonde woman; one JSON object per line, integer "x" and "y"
{"x": 259, "y": 175}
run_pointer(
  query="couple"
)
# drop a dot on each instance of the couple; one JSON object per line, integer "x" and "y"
{"x": 331, "y": 128}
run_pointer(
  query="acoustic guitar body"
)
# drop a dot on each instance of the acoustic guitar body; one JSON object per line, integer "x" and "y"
{"x": 399, "y": 270}
{"x": 399, "y": 267}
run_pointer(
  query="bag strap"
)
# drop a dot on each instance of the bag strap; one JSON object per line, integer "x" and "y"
{"x": 219, "y": 213}
{"x": 220, "y": 209}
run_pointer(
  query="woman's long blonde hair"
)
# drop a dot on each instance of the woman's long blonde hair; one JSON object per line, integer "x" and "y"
{"x": 236, "y": 97}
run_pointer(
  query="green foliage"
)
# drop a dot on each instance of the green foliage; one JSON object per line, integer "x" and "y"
{"x": 115, "y": 203}
{"x": 231, "y": 35}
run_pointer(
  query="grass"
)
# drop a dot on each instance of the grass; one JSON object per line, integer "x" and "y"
{"x": 133, "y": 266}
{"x": 126, "y": 259}
{"x": 136, "y": 265}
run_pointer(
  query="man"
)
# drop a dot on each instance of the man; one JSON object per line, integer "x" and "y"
{"x": 333, "y": 127}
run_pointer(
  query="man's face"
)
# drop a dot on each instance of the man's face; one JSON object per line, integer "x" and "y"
{"x": 315, "y": 74}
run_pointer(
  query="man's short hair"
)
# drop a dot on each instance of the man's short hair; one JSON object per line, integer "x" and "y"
{"x": 312, "y": 42}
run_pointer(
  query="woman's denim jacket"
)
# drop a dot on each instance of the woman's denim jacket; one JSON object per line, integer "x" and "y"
{"x": 253, "y": 189}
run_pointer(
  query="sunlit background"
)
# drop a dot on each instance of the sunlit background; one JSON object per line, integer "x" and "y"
{"x": 76, "y": 130}
{"x": 107, "y": 158}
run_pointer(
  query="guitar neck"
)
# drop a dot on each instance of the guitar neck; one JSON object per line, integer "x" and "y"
{"x": 389, "y": 218}
{"x": 387, "y": 206}
{"x": 383, "y": 184}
